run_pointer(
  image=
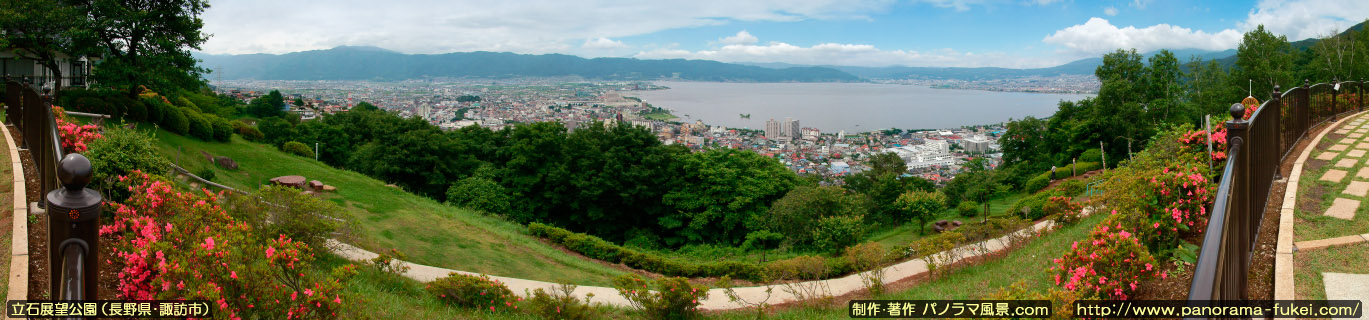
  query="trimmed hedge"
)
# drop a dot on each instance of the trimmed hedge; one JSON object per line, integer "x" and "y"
{"x": 596, "y": 248}
{"x": 1042, "y": 180}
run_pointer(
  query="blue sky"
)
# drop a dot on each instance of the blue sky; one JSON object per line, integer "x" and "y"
{"x": 966, "y": 33}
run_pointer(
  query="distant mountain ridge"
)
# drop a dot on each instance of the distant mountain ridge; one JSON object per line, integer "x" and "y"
{"x": 371, "y": 63}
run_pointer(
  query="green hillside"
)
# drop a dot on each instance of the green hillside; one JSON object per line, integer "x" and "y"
{"x": 385, "y": 217}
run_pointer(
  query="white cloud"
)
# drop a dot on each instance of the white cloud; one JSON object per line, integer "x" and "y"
{"x": 1099, "y": 36}
{"x": 530, "y": 26}
{"x": 741, "y": 37}
{"x": 603, "y": 43}
{"x": 1110, "y": 11}
{"x": 845, "y": 54}
{"x": 1140, "y": 4}
{"x": 1306, "y": 19}
{"x": 964, "y": 5}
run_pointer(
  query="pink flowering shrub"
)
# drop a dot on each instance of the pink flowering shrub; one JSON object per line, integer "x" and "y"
{"x": 74, "y": 137}
{"x": 1177, "y": 206}
{"x": 1064, "y": 209}
{"x": 1196, "y": 141}
{"x": 1111, "y": 264}
{"x": 478, "y": 292}
{"x": 169, "y": 244}
{"x": 673, "y": 298}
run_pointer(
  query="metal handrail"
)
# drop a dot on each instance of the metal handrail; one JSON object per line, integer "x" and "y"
{"x": 1206, "y": 269}
{"x": 1256, "y": 149}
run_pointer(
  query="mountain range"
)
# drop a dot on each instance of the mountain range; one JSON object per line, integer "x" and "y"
{"x": 371, "y": 63}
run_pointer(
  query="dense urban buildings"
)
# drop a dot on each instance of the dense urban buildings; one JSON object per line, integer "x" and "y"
{"x": 497, "y": 104}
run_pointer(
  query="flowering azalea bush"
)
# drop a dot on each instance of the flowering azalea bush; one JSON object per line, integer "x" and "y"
{"x": 1197, "y": 141}
{"x": 74, "y": 136}
{"x": 673, "y": 298}
{"x": 477, "y": 292}
{"x": 1111, "y": 264}
{"x": 1065, "y": 210}
{"x": 1177, "y": 207}
{"x": 179, "y": 245}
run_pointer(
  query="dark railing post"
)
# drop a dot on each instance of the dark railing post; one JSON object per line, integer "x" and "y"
{"x": 1238, "y": 216}
{"x": 1334, "y": 109}
{"x": 1304, "y": 105}
{"x": 73, "y": 231}
{"x": 1277, "y": 130}
{"x": 13, "y": 101}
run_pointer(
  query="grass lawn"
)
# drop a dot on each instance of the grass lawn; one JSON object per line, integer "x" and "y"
{"x": 429, "y": 232}
{"x": 1308, "y": 266}
{"x": 907, "y": 233}
{"x": 1027, "y": 263}
{"x": 1316, "y": 195}
{"x": 661, "y": 116}
{"x": 7, "y": 222}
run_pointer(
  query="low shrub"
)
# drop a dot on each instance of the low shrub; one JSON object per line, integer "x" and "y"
{"x": 1031, "y": 207}
{"x": 968, "y": 208}
{"x": 673, "y": 298}
{"x": 277, "y": 210}
{"x": 871, "y": 257}
{"x": 804, "y": 269}
{"x": 1072, "y": 187}
{"x": 1091, "y": 155}
{"x": 596, "y": 248}
{"x": 1111, "y": 264}
{"x": 247, "y": 132}
{"x": 200, "y": 127}
{"x": 480, "y": 194}
{"x": 205, "y": 173}
{"x": 835, "y": 233}
{"x": 475, "y": 292}
{"x": 156, "y": 108}
{"x": 1064, "y": 209}
{"x": 297, "y": 148}
{"x": 936, "y": 250}
{"x": 1036, "y": 183}
{"x": 223, "y": 132}
{"x": 175, "y": 121}
{"x": 1062, "y": 301}
{"x": 121, "y": 151}
{"x": 390, "y": 262}
{"x": 560, "y": 303}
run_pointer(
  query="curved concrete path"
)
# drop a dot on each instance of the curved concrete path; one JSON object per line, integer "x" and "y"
{"x": 717, "y": 299}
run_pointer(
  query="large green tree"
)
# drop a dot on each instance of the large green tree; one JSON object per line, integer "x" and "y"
{"x": 147, "y": 43}
{"x": 44, "y": 30}
{"x": 796, "y": 215}
{"x": 1263, "y": 61}
{"x": 723, "y": 195}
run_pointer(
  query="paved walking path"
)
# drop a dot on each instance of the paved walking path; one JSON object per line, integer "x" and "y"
{"x": 717, "y": 299}
{"x": 1341, "y": 175}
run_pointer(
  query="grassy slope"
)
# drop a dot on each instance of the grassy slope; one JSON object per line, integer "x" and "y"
{"x": 1027, "y": 263}
{"x": 427, "y": 231}
{"x": 907, "y": 233}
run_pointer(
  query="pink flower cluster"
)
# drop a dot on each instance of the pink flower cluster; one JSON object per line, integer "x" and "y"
{"x": 1198, "y": 139}
{"x": 168, "y": 244}
{"x": 1111, "y": 264}
{"x": 74, "y": 137}
{"x": 1181, "y": 196}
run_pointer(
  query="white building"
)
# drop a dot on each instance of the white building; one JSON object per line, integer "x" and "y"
{"x": 929, "y": 154}
{"x": 74, "y": 69}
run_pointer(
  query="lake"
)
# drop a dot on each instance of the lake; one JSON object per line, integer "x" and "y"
{"x": 853, "y": 107}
